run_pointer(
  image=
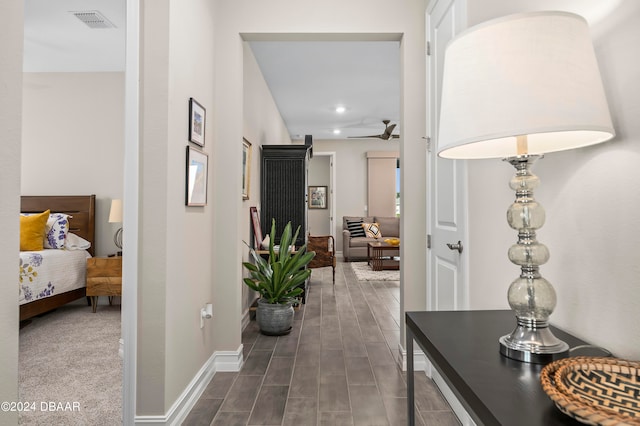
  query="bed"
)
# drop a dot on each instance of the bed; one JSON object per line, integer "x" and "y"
{"x": 38, "y": 300}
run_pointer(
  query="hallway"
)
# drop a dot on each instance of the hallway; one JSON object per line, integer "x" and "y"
{"x": 336, "y": 367}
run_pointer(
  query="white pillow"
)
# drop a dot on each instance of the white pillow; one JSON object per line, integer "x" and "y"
{"x": 76, "y": 242}
{"x": 56, "y": 230}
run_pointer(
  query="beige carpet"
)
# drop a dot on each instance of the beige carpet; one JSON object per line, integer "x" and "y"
{"x": 364, "y": 273}
{"x": 71, "y": 356}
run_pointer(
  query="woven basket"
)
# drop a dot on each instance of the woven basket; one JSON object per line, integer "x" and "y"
{"x": 595, "y": 391}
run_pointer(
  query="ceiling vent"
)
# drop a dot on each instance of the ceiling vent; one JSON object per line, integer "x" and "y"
{"x": 93, "y": 19}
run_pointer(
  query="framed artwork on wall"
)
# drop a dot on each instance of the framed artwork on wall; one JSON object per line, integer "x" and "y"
{"x": 255, "y": 224}
{"x": 246, "y": 168}
{"x": 317, "y": 197}
{"x": 196, "y": 188}
{"x": 197, "y": 121}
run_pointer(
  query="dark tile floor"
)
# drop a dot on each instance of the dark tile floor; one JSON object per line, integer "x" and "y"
{"x": 336, "y": 367}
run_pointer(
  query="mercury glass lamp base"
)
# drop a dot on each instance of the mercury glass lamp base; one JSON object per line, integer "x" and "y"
{"x": 534, "y": 344}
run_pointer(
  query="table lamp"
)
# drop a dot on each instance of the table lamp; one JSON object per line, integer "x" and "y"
{"x": 516, "y": 88}
{"x": 115, "y": 216}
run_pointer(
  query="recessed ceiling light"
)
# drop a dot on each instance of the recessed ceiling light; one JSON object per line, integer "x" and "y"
{"x": 336, "y": 131}
{"x": 340, "y": 109}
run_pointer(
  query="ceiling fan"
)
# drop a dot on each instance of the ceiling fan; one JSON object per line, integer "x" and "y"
{"x": 386, "y": 135}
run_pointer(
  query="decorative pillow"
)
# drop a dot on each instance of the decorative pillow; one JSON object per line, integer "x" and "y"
{"x": 32, "y": 231}
{"x": 355, "y": 228}
{"x": 76, "y": 242}
{"x": 56, "y": 230}
{"x": 372, "y": 230}
{"x": 265, "y": 243}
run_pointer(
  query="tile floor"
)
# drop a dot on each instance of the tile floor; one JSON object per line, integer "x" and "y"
{"x": 336, "y": 367}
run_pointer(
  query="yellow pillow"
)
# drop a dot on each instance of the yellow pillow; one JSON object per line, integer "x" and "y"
{"x": 32, "y": 230}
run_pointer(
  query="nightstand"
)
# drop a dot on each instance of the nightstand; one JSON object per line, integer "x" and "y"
{"x": 104, "y": 278}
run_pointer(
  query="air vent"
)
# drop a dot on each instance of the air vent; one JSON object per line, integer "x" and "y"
{"x": 93, "y": 19}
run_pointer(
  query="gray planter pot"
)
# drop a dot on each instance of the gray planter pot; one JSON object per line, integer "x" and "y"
{"x": 274, "y": 319}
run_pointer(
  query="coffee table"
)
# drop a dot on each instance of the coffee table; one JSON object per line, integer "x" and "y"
{"x": 383, "y": 256}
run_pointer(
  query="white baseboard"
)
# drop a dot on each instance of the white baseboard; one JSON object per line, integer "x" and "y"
{"x": 420, "y": 360}
{"x": 219, "y": 361}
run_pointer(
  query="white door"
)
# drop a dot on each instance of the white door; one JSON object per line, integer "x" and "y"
{"x": 447, "y": 283}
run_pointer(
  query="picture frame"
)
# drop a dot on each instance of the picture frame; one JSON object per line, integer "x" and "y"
{"x": 246, "y": 169}
{"x": 196, "y": 177}
{"x": 197, "y": 122}
{"x": 317, "y": 197}
{"x": 255, "y": 224}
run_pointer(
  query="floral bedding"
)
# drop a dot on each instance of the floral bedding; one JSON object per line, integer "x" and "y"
{"x": 49, "y": 272}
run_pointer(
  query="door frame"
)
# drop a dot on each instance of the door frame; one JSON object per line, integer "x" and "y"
{"x": 331, "y": 196}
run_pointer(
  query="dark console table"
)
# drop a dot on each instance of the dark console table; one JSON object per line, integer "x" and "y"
{"x": 463, "y": 347}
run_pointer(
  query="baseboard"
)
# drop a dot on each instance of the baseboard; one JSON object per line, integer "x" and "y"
{"x": 420, "y": 360}
{"x": 219, "y": 361}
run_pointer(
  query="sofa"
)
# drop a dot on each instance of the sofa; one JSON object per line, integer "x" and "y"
{"x": 355, "y": 248}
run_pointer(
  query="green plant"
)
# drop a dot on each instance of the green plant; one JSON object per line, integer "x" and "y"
{"x": 278, "y": 279}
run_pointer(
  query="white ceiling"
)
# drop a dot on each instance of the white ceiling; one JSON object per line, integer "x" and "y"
{"x": 56, "y": 41}
{"x": 308, "y": 80}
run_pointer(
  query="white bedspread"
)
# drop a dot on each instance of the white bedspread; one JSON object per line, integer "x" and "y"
{"x": 49, "y": 272}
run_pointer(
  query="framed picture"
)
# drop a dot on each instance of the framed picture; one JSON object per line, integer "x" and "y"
{"x": 246, "y": 168}
{"x": 197, "y": 165}
{"x": 257, "y": 231}
{"x": 197, "y": 121}
{"x": 317, "y": 197}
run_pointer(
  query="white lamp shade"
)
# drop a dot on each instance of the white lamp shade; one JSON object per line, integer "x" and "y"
{"x": 532, "y": 74}
{"x": 115, "y": 214}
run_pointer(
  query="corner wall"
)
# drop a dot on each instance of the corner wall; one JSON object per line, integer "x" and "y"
{"x": 177, "y": 244}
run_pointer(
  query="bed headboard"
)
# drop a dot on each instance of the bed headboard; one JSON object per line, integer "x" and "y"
{"x": 81, "y": 207}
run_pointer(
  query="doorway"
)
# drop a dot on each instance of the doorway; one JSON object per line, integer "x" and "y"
{"x": 321, "y": 174}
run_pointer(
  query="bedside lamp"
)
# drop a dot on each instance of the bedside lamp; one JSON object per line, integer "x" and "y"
{"x": 115, "y": 216}
{"x": 516, "y": 88}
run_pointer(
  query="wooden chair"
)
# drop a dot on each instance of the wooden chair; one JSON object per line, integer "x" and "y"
{"x": 325, "y": 248}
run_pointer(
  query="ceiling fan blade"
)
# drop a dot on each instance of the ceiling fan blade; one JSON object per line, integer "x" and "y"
{"x": 366, "y": 137}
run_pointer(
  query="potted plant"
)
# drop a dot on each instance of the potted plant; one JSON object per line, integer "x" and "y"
{"x": 278, "y": 280}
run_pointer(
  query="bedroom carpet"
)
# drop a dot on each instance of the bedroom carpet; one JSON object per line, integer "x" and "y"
{"x": 364, "y": 273}
{"x": 71, "y": 356}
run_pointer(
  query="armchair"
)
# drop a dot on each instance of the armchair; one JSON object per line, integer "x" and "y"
{"x": 325, "y": 249}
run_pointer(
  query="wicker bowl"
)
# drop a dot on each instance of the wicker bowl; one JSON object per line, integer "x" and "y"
{"x": 595, "y": 390}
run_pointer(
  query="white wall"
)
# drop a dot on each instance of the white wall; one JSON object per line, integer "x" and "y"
{"x": 589, "y": 194}
{"x": 351, "y": 175}
{"x": 262, "y": 125}
{"x": 72, "y": 141}
{"x": 295, "y": 20}
{"x": 319, "y": 168}
{"x": 175, "y": 270}
{"x": 11, "y": 31}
